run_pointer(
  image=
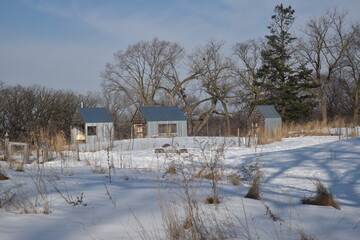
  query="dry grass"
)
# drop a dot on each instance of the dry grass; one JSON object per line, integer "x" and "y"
{"x": 56, "y": 142}
{"x": 207, "y": 173}
{"x": 311, "y": 128}
{"x": 323, "y": 196}
{"x": 254, "y": 190}
{"x": 234, "y": 179}
{"x": 212, "y": 200}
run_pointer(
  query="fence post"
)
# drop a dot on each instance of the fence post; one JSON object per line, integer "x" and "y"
{"x": 6, "y": 149}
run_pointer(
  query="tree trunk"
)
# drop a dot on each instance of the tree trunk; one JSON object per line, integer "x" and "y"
{"x": 198, "y": 127}
{"x": 324, "y": 113}
{"x": 356, "y": 102}
{"x": 227, "y": 116}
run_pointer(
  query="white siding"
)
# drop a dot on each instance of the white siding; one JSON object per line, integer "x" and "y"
{"x": 104, "y": 132}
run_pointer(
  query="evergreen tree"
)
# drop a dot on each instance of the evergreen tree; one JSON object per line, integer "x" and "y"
{"x": 284, "y": 82}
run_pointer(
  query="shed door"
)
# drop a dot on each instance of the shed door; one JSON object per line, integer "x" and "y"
{"x": 139, "y": 130}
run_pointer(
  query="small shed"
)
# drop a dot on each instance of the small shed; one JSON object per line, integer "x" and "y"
{"x": 159, "y": 121}
{"x": 90, "y": 125}
{"x": 264, "y": 117}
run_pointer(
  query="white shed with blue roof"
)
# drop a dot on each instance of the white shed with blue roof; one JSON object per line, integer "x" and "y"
{"x": 91, "y": 125}
{"x": 159, "y": 121}
{"x": 264, "y": 117}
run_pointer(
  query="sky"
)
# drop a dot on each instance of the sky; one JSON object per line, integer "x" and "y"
{"x": 65, "y": 44}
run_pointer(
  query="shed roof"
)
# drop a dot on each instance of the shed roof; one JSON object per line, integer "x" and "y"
{"x": 268, "y": 111}
{"x": 162, "y": 113}
{"x": 95, "y": 115}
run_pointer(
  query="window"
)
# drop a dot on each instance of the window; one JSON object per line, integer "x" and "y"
{"x": 91, "y": 131}
{"x": 167, "y": 129}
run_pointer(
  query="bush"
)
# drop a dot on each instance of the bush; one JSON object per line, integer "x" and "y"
{"x": 323, "y": 196}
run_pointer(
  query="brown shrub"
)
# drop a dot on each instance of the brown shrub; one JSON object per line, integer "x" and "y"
{"x": 323, "y": 197}
{"x": 212, "y": 200}
{"x": 234, "y": 179}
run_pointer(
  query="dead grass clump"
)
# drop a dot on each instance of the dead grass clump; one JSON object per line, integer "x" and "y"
{"x": 254, "y": 190}
{"x": 234, "y": 179}
{"x": 212, "y": 200}
{"x": 210, "y": 174}
{"x": 323, "y": 196}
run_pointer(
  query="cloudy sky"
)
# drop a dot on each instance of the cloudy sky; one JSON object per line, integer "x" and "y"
{"x": 65, "y": 44}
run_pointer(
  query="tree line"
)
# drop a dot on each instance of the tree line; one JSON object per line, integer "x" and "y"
{"x": 313, "y": 74}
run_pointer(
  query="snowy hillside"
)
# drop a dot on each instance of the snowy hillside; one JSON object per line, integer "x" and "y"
{"x": 83, "y": 200}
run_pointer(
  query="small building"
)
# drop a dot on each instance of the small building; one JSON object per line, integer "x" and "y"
{"x": 159, "y": 121}
{"x": 264, "y": 117}
{"x": 90, "y": 125}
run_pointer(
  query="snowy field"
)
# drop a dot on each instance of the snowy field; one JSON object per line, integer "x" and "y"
{"x": 83, "y": 200}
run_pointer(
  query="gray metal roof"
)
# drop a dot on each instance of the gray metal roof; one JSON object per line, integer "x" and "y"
{"x": 95, "y": 115}
{"x": 268, "y": 111}
{"x": 162, "y": 113}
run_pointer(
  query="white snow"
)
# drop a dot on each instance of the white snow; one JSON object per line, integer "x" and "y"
{"x": 139, "y": 187}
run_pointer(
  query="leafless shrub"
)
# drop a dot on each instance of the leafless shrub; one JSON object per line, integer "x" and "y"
{"x": 41, "y": 191}
{"x": 272, "y": 215}
{"x": 78, "y": 201}
{"x": 18, "y": 200}
{"x": 323, "y": 196}
{"x": 113, "y": 201}
{"x": 6, "y": 197}
{"x": 213, "y": 155}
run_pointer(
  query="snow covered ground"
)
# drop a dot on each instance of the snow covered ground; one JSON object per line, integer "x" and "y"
{"x": 129, "y": 203}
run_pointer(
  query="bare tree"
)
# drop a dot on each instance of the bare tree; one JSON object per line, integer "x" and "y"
{"x": 139, "y": 71}
{"x": 324, "y": 48}
{"x": 216, "y": 79}
{"x": 353, "y": 68}
{"x": 248, "y": 55}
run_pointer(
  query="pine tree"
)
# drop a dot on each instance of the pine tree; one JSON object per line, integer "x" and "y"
{"x": 284, "y": 82}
